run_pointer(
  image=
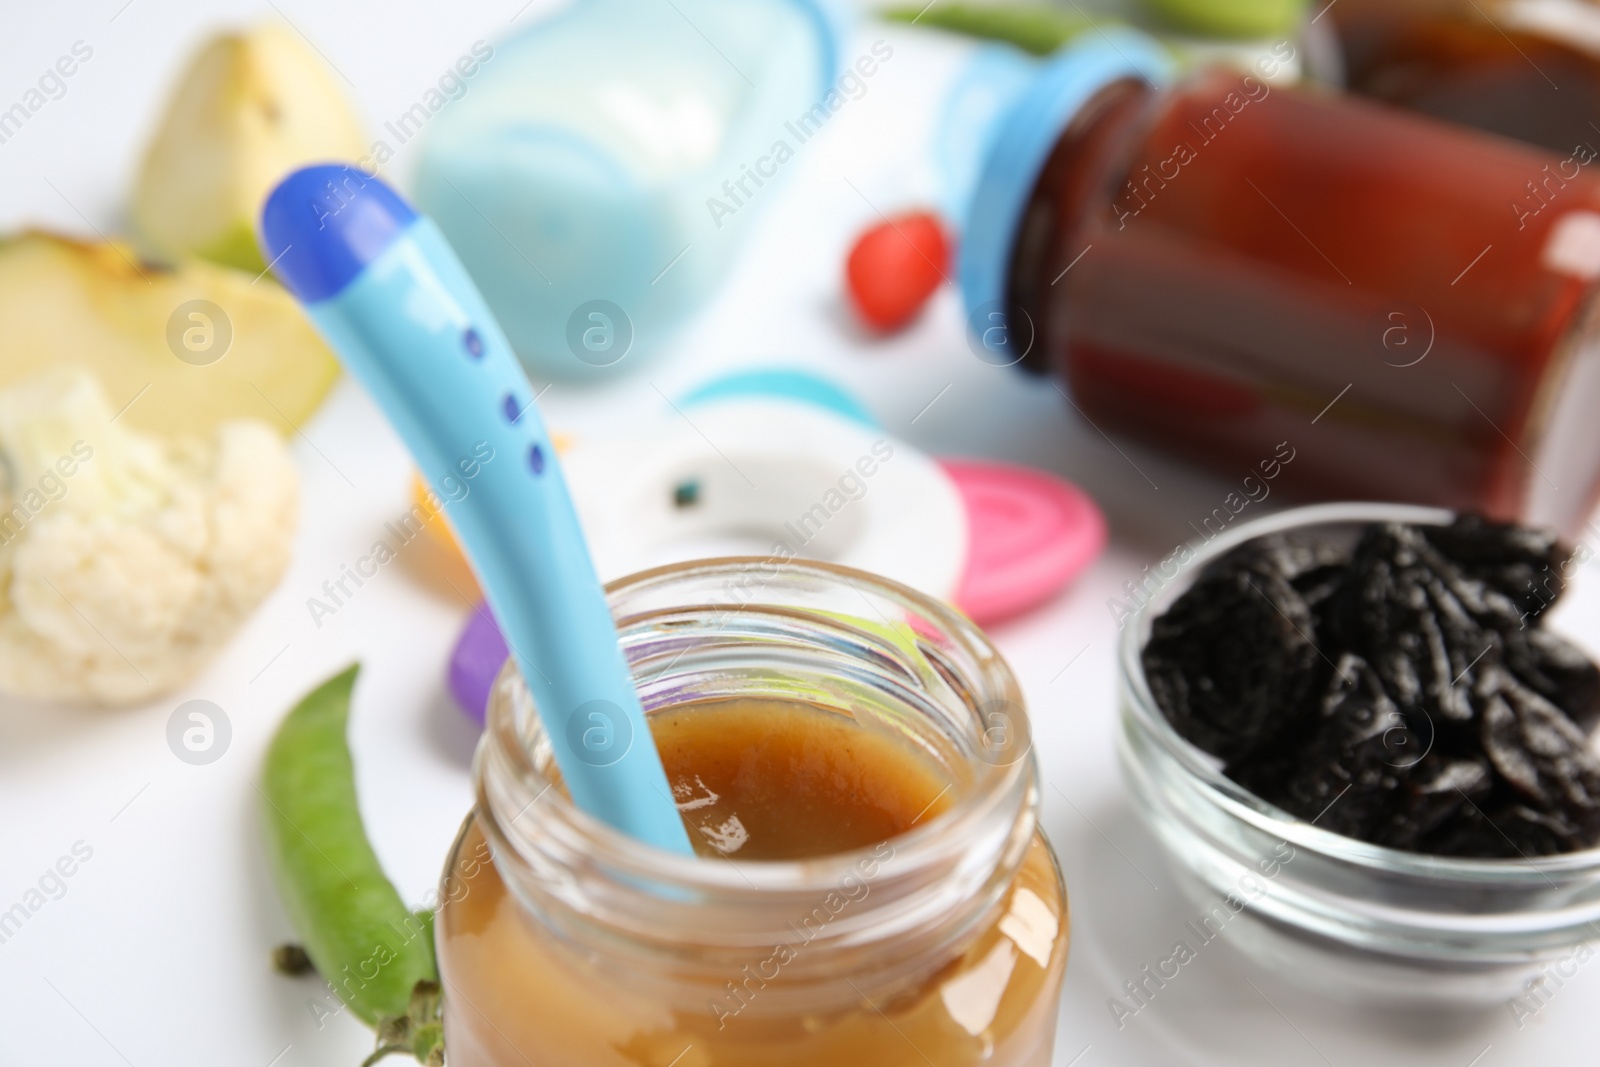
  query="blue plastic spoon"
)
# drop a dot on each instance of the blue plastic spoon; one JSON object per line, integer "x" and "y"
{"x": 385, "y": 289}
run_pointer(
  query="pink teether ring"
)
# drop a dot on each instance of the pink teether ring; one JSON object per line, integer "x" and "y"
{"x": 1029, "y": 534}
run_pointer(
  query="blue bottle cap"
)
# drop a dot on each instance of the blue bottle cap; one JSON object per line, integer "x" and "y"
{"x": 1023, "y": 142}
{"x": 994, "y": 79}
{"x": 323, "y": 224}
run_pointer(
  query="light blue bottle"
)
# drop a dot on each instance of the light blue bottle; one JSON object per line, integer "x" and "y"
{"x": 599, "y": 174}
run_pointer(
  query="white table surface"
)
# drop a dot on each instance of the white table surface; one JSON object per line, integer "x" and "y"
{"x": 157, "y": 953}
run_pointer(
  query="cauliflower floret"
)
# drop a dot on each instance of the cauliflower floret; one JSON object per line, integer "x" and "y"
{"x": 127, "y": 561}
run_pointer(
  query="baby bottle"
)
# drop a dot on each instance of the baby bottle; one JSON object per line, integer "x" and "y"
{"x": 598, "y": 178}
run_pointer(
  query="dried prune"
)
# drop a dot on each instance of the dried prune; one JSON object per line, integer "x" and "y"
{"x": 1296, "y": 556}
{"x": 1448, "y": 722}
{"x": 1369, "y": 769}
{"x": 1231, "y": 663}
{"x": 1504, "y": 830}
{"x": 1397, "y": 607}
{"x": 1345, "y": 770}
{"x": 1557, "y": 670}
{"x": 1519, "y": 563}
{"x": 1317, "y": 586}
{"x": 1541, "y": 753}
{"x": 1439, "y": 789}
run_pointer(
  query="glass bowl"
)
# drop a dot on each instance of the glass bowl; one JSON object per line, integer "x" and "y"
{"x": 1360, "y": 922}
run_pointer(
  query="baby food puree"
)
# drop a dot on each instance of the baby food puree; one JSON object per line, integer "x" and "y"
{"x": 762, "y": 780}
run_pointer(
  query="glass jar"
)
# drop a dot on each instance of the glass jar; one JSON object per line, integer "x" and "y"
{"x": 1222, "y": 267}
{"x": 566, "y": 944}
{"x": 1353, "y": 921}
{"x": 1528, "y": 69}
{"x": 600, "y": 144}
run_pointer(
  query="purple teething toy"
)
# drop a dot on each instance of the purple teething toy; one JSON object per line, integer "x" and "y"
{"x": 479, "y": 654}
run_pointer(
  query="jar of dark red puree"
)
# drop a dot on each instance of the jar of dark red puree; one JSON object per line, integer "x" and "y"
{"x": 1528, "y": 69}
{"x": 1221, "y": 265}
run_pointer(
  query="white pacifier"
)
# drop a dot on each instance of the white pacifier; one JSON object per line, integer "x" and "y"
{"x": 751, "y": 465}
{"x": 782, "y": 464}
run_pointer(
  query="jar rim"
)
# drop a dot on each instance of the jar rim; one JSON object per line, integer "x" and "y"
{"x": 1205, "y": 772}
{"x": 994, "y": 787}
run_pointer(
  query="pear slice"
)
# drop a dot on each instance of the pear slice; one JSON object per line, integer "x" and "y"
{"x": 250, "y": 108}
{"x": 247, "y": 350}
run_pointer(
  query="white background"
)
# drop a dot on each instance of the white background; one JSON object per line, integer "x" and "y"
{"x": 158, "y": 952}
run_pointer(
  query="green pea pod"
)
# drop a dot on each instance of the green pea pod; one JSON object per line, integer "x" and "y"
{"x": 1037, "y": 28}
{"x": 363, "y": 939}
{"x": 1233, "y": 18}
